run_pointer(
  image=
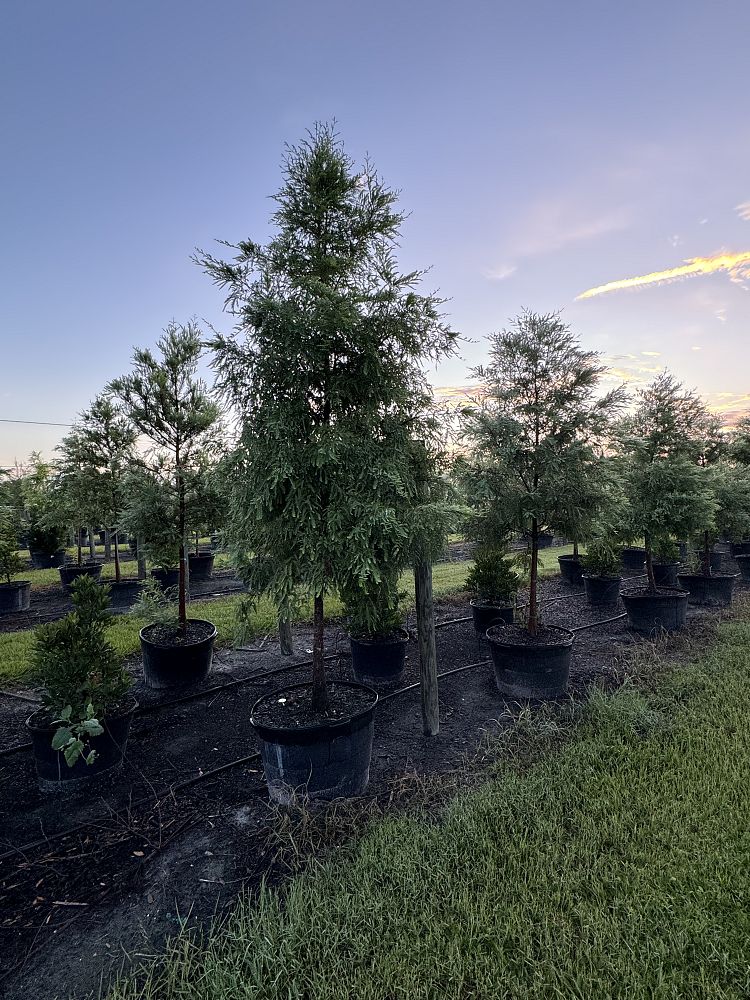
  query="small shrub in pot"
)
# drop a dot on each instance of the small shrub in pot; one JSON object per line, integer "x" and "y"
{"x": 602, "y": 577}
{"x": 377, "y": 635}
{"x": 81, "y": 731}
{"x": 14, "y": 594}
{"x": 494, "y": 583}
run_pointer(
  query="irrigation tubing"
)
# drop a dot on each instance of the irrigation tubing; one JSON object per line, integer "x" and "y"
{"x": 254, "y": 757}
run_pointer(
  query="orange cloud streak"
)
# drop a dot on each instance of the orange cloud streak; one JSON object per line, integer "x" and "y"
{"x": 735, "y": 263}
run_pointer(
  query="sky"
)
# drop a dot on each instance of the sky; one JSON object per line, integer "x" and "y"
{"x": 542, "y": 149}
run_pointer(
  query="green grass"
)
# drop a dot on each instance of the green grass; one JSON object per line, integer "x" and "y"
{"x": 616, "y": 867}
{"x": 15, "y": 647}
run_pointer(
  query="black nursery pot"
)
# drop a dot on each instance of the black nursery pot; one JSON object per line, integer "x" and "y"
{"x": 545, "y": 539}
{"x": 744, "y": 564}
{"x": 125, "y": 593}
{"x": 54, "y": 775}
{"x": 201, "y": 566}
{"x": 665, "y": 574}
{"x": 525, "y": 669}
{"x": 710, "y": 591}
{"x": 379, "y": 662}
{"x": 47, "y": 560}
{"x": 485, "y": 615}
{"x": 325, "y": 761}
{"x": 70, "y": 572}
{"x": 172, "y": 665}
{"x": 15, "y": 596}
{"x": 633, "y": 558}
{"x": 648, "y": 612}
{"x": 166, "y": 577}
{"x": 602, "y": 591}
{"x": 571, "y": 569}
{"x": 739, "y": 548}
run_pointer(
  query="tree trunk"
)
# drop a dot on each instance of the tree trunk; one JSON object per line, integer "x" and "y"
{"x": 285, "y": 637}
{"x": 117, "y": 556}
{"x": 197, "y": 542}
{"x": 92, "y": 545}
{"x": 706, "y": 554}
{"x": 319, "y": 687}
{"x": 427, "y": 656}
{"x": 575, "y": 548}
{"x": 533, "y": 582}
{"x": 649, "y": 564}
{"x": 108, "y": 544}
{"x": 79, "y": 544}
{"x": 140, "y": 550}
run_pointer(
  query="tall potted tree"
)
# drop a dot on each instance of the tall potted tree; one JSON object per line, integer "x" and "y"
{"x": 77, "y": 490}
{"x": 104, "y": 446}
{"x": 43, "y": 524}
{"x": 325, "y": 370}
{"x": 15, "y": 595}
{"x": 170, "y": 405}
{"x": 529, "y": 432}
{"x": 667, "y": 493}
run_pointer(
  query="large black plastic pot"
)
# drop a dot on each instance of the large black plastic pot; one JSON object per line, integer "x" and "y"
{"x": 633, "y": 558}
{"x": 70, "y": 572}
{"x": 125, "y": 593}
{"x": 485, "y": 614}
{"x": 545, "y": 539}
{"x": 665, "y": 574}
{"x": 379, "y": 662}
{"x": 528, "y": 670}
{"x": 739, "y": 548}
{"x": 712, "y": 591}
{"x": 602, "y": 591}
{"x": 325, "y": 761}
{"x": 571, "y": 570}
{"x": 54, "y": 775}
{"x": 648, "y": 612}
{"x": 15, "y": 596}
{"x": 201, "y": 566}
{"x": 166, "y": 577}
{"x": 170, "y": 666}
{"x": 47, "y": 560}
{"x": 744, "y": 564}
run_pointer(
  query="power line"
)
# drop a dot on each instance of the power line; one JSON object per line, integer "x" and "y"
{"x": 39, "y": 423}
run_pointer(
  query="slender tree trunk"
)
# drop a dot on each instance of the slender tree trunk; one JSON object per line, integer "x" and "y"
{"x": 140, "y": 551}
{"x": 319, "y": 687}
{"x": 285, "y": 637}
{"x": 706, "y": 554}
{"x": 575, "y": 548}
{"x": 108, "y": 544}
{"x": 79, "y": 544}
{"x": 92, "y": 544}
{"x": 533, "y": 581}
{"x": 117, "y": 557}
{"x": 197, "y": 542}
{"x": 649, "y": 564}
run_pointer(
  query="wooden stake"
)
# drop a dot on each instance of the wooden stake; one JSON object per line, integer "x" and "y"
{"x": 427, "y": 654}
{"x": 285, "y": 637}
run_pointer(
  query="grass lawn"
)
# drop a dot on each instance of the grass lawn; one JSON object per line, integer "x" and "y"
{"x": 15, "y": 647}
{"x": 614, "y": 867}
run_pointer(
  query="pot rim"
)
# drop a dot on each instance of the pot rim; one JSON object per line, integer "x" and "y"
{"x": 569, "y": 555}
{"x": 600, "y": 576}
{"x": 566, "y": 639}
{"x": 184, "y": 645}
{"x": 712, "y": 576}
{"x": 397, "y": 637}
{"x": 15, "y": 584}
{"x": 131, "y": 710}
{"x": 318, "y": 727}
{"x": 661, "y": 594}
{"x": 499, "y": 606}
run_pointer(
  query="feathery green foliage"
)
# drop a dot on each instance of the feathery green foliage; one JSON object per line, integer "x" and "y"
{"x": 325, "y": 371}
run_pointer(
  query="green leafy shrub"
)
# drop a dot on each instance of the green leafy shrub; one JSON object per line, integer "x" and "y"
{"x": 602, "y": 558}
{"x": 81, "y": 675}
{"x": 492, "y": 577}
{"x": 156, "y": 605}
{"x": 666, "y": 550}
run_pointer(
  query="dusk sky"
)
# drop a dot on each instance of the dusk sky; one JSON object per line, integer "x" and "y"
{"x": 543, "y": 149}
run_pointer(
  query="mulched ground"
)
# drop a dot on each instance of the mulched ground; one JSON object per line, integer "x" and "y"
{"x": 158, "y": 857}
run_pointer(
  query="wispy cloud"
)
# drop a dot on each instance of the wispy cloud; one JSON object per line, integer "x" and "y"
{"x": 743, "y": 210}
{"x": 736, "y": 265}
{"x": 499, "y": 273}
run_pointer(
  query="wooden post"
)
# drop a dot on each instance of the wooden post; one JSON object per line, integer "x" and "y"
{"x": 285, "y": 637}
{"x": 140, "y": 550}
{"x": 108, "y": 544}
{"x": 426, "y": 641}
